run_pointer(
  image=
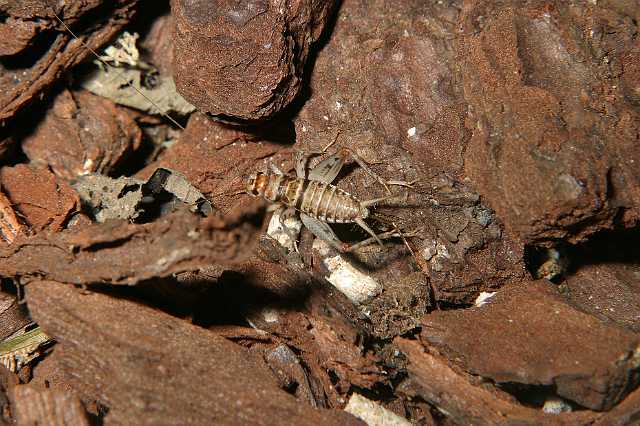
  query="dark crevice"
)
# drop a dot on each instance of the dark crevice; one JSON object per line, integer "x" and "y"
{"x": 535, "y": 396}
{"x": 618, "y": 246}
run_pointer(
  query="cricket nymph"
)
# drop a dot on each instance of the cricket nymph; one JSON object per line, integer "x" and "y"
{"x": 322, "y": 201}
{"x": 318, "y": 202}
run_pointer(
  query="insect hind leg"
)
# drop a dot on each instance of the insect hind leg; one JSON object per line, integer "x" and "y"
{"x": 390, "y": 221}
{"x": 374, "y": 201}
{"x": 286, "y": 213}
{"x": 323, "y": 231}
{"x": 385, "y": 183}
{"x": 364, "y": 226}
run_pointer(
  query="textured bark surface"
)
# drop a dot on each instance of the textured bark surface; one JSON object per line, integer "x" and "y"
{"x": 41, "y": 200}
{"x": 244, "y": 61}
{"x": 161, "y": 369}
{"x": 555, "y": 141}
{"x": 117, "y": 252}
{"x": 36, "y": 407}
{"x": 466, "y": 401}
{"x": 542, "y": 341}
{"x": 82, "y": 134}
{"x": 33, "y": 68}
{"x": 218, "y": 158}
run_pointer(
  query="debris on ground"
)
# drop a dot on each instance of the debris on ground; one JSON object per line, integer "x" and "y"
{"x": 127, "y": 198}
{"x": 141, "y": 284}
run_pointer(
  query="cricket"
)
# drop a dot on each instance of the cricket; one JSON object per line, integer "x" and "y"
{"x": 319, "y": 202}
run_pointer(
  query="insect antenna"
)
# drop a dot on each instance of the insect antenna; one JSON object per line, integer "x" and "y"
{"x": 119, "y": 75}
{"x": 384, "y": 218}
{"x": 230, "y": 193}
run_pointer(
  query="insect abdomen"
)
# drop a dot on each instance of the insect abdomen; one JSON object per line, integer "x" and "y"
{"x": 328, "y": 203}
{"x": 317, "y": 199}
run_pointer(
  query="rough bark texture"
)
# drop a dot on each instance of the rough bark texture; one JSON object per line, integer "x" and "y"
{"x": 117, "y": 252}
{"x": 466, "y": 401}
{"x": 541, "y": 341}
{"x": 41, "y": 199}
{"x": 244, "y": 61}
{"x": 36, "y": 67}
{"x": 43, "y": 407}
{"x": 161, "y": 369}
{"x": 555, "y": 136}
{"x": 217, "y": 159}
{"x": 82, "y": 134}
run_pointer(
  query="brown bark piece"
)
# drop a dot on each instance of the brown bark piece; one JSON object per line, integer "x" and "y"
{"x": 610, "y": 292}
{"x": 20, "y": 84}
{"x": 386, "y": 77}
{"x": 412, "y": 89}
{"x": 10, "y": 226}
{"x": 48, "y": 374}
{"x": 43, "y": 201}
{"x": 463, "y": 260}
{"x": 44, "y": 407}
{"x": 528, "y": 334}
{"x": 13, "y": 315}
{"x": 324, "y": 329}
{"x": 82, "y": 134}
{"x": 432, "y": 379}
{"x": 118, "y": 252}
{"x": 158, "y": 42}
{"x": 244, "y": 61}
{"x": 16, "y": 35}
{"x": 329, "y": 336}
{"x": 554, "y": 140}
{"x": 631, "y": 77}
{"x": 8, "y": 381}
{"x": 149, "y": 368}
{"x": 623, "y": 414}
{"x": 286, "y": 366}
{"x": 603, "y": 278}
{"x": 549, "y": 141}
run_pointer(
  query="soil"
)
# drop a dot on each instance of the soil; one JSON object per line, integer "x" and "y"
{"x": 509, "y": 291}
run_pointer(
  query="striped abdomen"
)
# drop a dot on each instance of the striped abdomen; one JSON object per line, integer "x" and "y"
{"x": 319, "y": 200}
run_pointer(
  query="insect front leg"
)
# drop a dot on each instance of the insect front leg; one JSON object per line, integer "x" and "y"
{"x": 301, "y": 164}
{"x": 289, "y": 213}
{"x": 284, "y": 227}
{"x": 275, "y": 169}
